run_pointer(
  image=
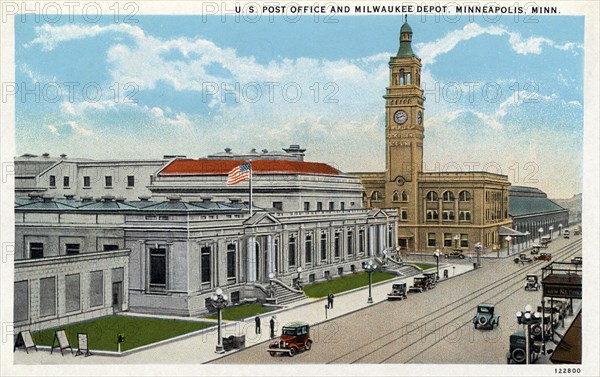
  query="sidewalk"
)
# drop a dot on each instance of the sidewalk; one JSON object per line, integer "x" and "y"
{"x": 200, "y": 347}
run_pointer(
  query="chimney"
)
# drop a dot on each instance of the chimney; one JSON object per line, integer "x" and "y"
{"x": 235, "y": 200}
{"x": 144, "y": 198}
{"x": 227, "y": 150}
{"x": 47, "y": 198}
{"x": 34, "y": 196}
{"x": 296, "y": 151}
{"x": 174, "y": 198}
{"x": 63, "y": 155}
{"x": 69, "y": 196}
{"x": 46, "y": 155}
{"x": 265, "y": 151}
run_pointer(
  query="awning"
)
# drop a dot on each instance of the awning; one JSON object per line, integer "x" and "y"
{"x": 568, "y": 351}
{"x": 505, "y": 231}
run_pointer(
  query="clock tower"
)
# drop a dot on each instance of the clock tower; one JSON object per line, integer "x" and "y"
{"x": 404, "y": 128}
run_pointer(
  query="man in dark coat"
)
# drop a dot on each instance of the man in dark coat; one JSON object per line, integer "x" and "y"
{"x": 257, "y": 322}
{"x": 272, "y": 326}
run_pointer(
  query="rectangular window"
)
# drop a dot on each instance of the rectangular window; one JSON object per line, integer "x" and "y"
{"x": 52, "y": 180}
{"x": 231, "y": 260}
{"x": 361, "y": 241}
{"x": 158, "y": 269}
{"x": 342, "y": 206}
{"x": 292, "y": 250}
{"x": 465, "y": 215}
{"x": 337, "y": 244}
{"x": 448, "y": 215}
{"x": 163, "y": 217}
{"x": 130, "y": 181}
{"x": 96, "y": 288}
{"x": 403, "y": 214}
{"x": 390, "y": 236}
{"x": 432, "y": 214}
{"x": 331, "y": 206}
{"x": 110, "y": 247}
{"x": 72, "y": 293}
{"x": 308, "y": 248}
{"x": 47, "y": 296}
{"x": 350, "y": 243}
{"x": 66, "y": 182}
{"x": 307, "y": 206}
{"x": 205, "y": 264}
{"x": 36, "y": 250}
{"x": 447, "y": 239}
{"x": 431, "y": 240}
{"x": 323, "y": 246}
{"x": 72, "y": 248}
{"x": 278, "y": 206}
{"x": 86, "y": 181}
{"x": 464, "y": 240}
{"x": 319, "y": 206}
{"x": 108, "y": 181}
{"x": 21, "y": 301}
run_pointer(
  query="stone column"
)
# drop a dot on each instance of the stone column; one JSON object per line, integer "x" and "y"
{"x": 371, "y": 240}
{"x": 270, "y": 257}
{"x": 456, "y": 209}
{"x": 250, "y": 259}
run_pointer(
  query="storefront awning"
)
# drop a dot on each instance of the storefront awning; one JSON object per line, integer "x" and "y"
{"x": 505, "y": 231}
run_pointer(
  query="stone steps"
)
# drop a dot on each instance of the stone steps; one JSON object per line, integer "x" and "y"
{"x": 285, "y": 296}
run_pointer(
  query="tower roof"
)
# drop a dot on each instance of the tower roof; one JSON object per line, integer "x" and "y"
{"x": 405, "y": 50}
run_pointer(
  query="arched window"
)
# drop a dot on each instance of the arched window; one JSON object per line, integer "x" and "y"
{"x": 432, "y": 196}
{"x": 401, "y": 77}
{"x": 376, "y": 195}
{"x": 464, "y": 196}
{"x": 448, "y": 196}
{"x": 395, "y": 196}
{"x": 404, "y": 196}
{"x": 408, "y": 78}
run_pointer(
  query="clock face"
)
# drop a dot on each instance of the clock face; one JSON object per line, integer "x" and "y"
{"x": 419, "y": 118}
{"x": 400, "y": 116}
{"x": 400, "y": 180}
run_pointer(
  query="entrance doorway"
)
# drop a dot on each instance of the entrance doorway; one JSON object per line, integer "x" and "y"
{"x": 117, "y": 296}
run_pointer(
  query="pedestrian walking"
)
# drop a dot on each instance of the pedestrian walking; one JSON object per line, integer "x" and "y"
{"x": 257, "y": 322}
{"x": 330, "y": 301}
{"x": 272, "y": 326}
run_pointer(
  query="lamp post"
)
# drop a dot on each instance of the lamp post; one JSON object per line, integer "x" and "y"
{"x": 478, "y": 247}
{"x": 271, "y": 277}
{"x": 508, "y": 238}
{"x": 219, "y": 301}
{"x": 370, "y": 267}
{"x": 541, "y": 230}
{"x": 551, "y": 228}
{"x": 527, "y": 318}
{"x": 437, "y": 263}
{"x": 560, "y": 229}
{"x": 527, "y": 239}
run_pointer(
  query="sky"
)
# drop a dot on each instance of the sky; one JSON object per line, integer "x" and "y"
{"x": 503, "y": 96}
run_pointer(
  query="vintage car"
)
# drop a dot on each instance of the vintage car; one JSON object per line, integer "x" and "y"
{"x": 577, "y": 260}
{"x": 485, "y": 316}
{"x": 577, "y": 231}
{"x": 547, "y": 327}
{"x": 531, "y": 283}
{"x": 566, "y": 233}
{"x": 420, "y": 284}
{"x": 535, "y": 249}
{"x": 454, "y": 254}
{"x": 398, "y": 292}
{"x": 522, "y": 258}
{"x": 294, "y": 337}
{"x": 517, "y": 349}
{"x": 543, "y": 256}
{"x": 431, "y": 277}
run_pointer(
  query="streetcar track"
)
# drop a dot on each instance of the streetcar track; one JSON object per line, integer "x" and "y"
{"x": 567, "y": 250}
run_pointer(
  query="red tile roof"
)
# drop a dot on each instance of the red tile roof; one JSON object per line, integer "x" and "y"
{"x": 222, "y": 167}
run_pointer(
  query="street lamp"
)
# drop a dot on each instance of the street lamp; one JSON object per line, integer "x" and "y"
{"x": 541, "y": 230}
{"x": 551, "y": 229}
{"x": 527, "y": 319}
{"x": 370, "y": 267}
{"x": 271, "y": 277}
{"x": 508, "y": 238}
{"x": 527, "y": 239}
{"x": 437, "y": 263}
{"x": 478, "y": 247}
{"x": 219, "y": 301}
{"x": 560, "y": 229}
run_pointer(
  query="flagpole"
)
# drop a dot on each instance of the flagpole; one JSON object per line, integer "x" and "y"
{"x": 250, "y": 202}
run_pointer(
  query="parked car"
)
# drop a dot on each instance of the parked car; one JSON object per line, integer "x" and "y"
{"x": 420, "y": 284}
{"x": 522, "y": 258}
{"x": 577, "y": 260}
{"x": 577, "y": 231}
{"x": 566, "y": 233}
{"x": 294, "y": 337}
{"x": 535, "y": 249}
{"x": 454, "y": 254}
{"x": 516, "y": 352}
{"x": 398, "y": 292}
{"x": 531, "y": 283}
{"x": 543, "y": 256}
{"x": 431, "y": 279}
{"x": 485, "y": 316}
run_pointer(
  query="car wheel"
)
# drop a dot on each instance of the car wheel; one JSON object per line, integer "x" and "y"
{"x": 536, "y": 330}
{"x": 272, "y": 353}
{"x": 482, "y": 321}
{"x": 518, "y": 355}
{"x": 293, "y": 351}
{"x": 308, "y": 345}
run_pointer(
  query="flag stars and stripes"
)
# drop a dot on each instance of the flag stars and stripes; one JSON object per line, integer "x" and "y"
{"x": 238, "y": 174}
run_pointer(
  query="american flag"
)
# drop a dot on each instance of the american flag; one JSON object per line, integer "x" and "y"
{"x": 238, "y": 174}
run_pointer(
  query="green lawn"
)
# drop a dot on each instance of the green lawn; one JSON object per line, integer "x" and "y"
{"x": 345, "y": 283}
{"x": 233, "y": 313}
{"x": 424, "y": 266}
{"x": 138, "y": 331}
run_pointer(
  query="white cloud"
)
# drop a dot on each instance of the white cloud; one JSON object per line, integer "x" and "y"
{"x": 53, "y": 129}
{"x": 78, "y": 129}
{"x": 49, "y": 36}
